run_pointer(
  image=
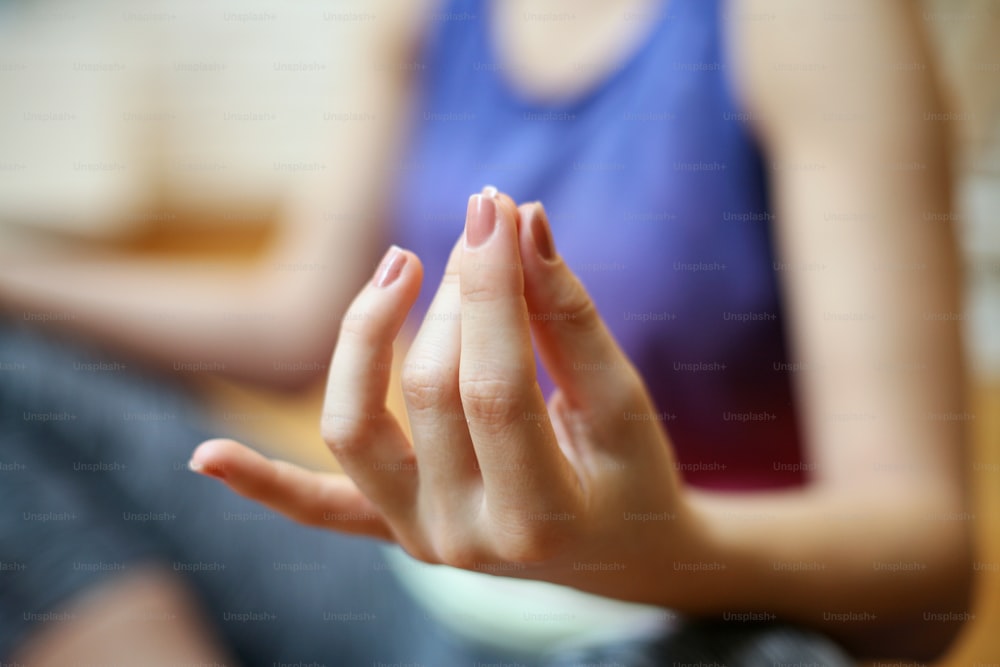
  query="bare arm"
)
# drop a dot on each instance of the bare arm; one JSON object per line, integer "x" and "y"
{"x": 272, "y": 322}
{"x": 876, "y": 551}
{"x": 858, "y": 175}
{"x": 235, "y": 319}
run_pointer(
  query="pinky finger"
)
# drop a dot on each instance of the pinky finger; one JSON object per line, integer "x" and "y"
{"x": 322, "y": 500}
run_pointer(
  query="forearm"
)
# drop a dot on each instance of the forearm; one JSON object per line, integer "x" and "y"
{"x": 184, "y": 317}
{"x": 867, "y": 569}
{"x": 273, "y": 322}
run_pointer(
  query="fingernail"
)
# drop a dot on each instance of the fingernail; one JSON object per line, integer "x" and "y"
{"x": 202, "y": 469}
{"x": 541, "y": 233}
{"x": 390, "y": 268}
{"x": 480, "y": 220}
{"x": 489, "y": 191}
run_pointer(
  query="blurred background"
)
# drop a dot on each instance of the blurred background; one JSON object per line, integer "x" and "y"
{"x": 122, "y": 120}
{"x": 188, "y": 129}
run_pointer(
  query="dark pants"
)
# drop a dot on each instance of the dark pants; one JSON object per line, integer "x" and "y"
{"x": 93, "y": 482}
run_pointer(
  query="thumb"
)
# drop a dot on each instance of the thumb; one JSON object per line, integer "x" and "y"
{"x": 578, "y": 350}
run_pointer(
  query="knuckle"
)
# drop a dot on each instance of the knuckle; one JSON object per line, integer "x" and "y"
{"x": 343, "y": 435}
{"x": 481, "y": 290}
{"x": 458, "y": 553}
{"x": 533, "y": 541}
{"x": 355, "y": 323}
{"x": 573, "y": 307}
{"x": 491, "y": 399}
{"x": 452, "y": 277}
{"x": 426, "y": 386}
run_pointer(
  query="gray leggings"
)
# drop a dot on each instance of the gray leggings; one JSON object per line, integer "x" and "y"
{"x": 93, "y": 481}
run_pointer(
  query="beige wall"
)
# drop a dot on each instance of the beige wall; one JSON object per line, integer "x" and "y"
{"x": 966, "y": 34}
{"x": 109, "y": 103}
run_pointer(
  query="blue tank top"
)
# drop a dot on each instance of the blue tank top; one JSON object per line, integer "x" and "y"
{"x": 657, "y": 195}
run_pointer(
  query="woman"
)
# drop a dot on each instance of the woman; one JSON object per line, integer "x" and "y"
{"x": 785, "y": 183}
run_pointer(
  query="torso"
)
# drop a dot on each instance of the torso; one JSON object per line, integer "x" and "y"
{"x": 658, "y": 199}
{"x": 558, "y": 49}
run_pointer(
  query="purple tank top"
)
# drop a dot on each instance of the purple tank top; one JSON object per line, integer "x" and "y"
{"x": 657, "y": 195}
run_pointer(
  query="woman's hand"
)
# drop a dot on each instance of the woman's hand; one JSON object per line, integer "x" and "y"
{"x": 581, "y": 491}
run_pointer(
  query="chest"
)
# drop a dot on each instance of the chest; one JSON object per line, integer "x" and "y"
{"x": 559, "y": 49}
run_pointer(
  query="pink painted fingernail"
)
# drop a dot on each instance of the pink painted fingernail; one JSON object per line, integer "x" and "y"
{"x": 480, "y": 220}
{"x": 541, "y": 232}
{"x": 391, "y": 267}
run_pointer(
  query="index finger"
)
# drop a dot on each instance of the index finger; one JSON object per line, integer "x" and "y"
{"x": 358, "y": 427}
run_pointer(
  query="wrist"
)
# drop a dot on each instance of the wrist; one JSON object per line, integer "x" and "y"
{"x": 697, "y": 563}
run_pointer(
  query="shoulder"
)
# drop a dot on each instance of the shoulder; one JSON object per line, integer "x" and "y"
{"x": 831, "y": 70}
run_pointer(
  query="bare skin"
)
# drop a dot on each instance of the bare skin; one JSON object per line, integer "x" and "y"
{"x": 147, "y": 612}
{"x": 883, "y": 263}
{"x": 887, "y": 490}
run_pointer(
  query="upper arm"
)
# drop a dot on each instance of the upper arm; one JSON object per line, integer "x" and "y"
{"x": 843, "y": 97}
{"x": 333, "y": 220}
